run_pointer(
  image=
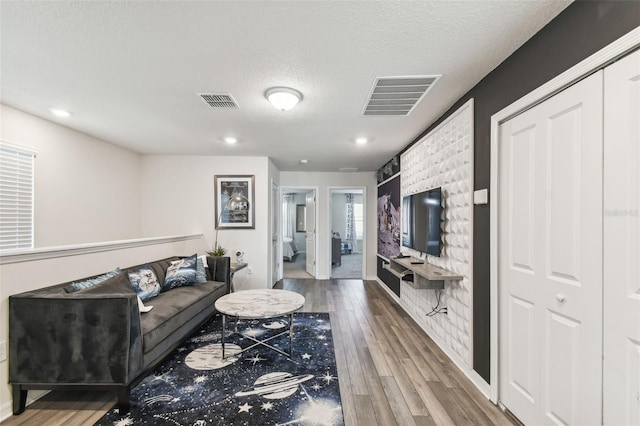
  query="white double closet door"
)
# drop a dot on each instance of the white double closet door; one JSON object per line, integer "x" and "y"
{"x": 568, "y": 272}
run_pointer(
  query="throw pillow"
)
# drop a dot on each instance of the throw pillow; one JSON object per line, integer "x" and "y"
{"x": 201, "y": 273}
{"x": 80, "y": 285}
{"x": 180, "y": 273}
{"x": 145, "y": 283}
{"x": 117, "y": 285}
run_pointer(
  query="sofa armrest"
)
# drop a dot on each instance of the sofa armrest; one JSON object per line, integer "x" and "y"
{"x": 220, "y": 270}
{"x": 77, "y": 338}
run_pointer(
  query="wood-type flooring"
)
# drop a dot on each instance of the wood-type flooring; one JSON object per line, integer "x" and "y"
{"x": 390, "y": 371}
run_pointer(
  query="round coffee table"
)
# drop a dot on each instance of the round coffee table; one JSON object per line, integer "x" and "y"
{"x": 259, "y": 304}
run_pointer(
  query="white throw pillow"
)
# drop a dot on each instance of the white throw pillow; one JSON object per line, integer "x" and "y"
{"x": 143, "y": 308}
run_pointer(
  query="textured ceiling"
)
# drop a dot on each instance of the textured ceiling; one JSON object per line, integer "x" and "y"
{"x": 129, "y": 71}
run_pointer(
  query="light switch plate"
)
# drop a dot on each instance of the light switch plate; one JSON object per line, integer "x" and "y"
{"x": 481, "y": 196}
{"x": 3, "y": 350}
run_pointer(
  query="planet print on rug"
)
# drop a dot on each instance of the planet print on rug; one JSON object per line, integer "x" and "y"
{"x": 194, "y": 386}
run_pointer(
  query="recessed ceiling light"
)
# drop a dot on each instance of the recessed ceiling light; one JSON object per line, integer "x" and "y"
{"x": 304, "y": 161}
{"x": 361, "y": 141}
{"x": 230, "y": 140}
{"x": 60, "y": 112}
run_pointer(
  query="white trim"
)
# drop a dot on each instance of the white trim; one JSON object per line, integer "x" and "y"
{"x": 79, "y": 249}
{"x": 472, "y": 182}
{"x": 618, "y": 48}
{"x": 330, "y": 190}
{"x": 392, "y": 177}
{"x": 18, "y": 147}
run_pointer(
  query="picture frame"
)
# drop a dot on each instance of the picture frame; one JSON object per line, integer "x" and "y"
{"x": 234, "y": 202}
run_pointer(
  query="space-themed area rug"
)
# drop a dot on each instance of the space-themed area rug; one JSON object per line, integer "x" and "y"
{"x": 195, "y": 387}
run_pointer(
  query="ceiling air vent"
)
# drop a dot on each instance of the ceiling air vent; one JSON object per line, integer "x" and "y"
{"x": 348, "y": 169}
{"x": 218, "y": 100}
{"x": 398, "y": 95}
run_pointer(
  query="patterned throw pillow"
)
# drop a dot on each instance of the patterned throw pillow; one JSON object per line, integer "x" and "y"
{"x": 180, "y": 273}
{"x": 201, "y": 273}
{"x": 80, "y": 285}
{"x": 145, "y": 283}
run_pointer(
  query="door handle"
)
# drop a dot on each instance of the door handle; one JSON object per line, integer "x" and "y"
{"x": 560, "y": 297}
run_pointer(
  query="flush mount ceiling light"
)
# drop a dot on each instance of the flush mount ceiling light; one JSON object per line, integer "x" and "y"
{"x": 230, "y": 140}
{"x": 361, "y": 141}
{"x": 283, "y": 98}
{"x": 304, "y": 161}
{"x": 60, "y": 112}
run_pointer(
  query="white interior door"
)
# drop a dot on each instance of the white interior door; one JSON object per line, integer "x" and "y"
{"x": 275, "y": 233}
{"x": 311, "y": 233}
{"x": 550, "y": 259}
{"x": 621, "y": 375}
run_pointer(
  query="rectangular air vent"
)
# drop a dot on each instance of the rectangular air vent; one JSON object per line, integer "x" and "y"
{"x": 218, "y": 100}
{"x": 397, "y": 95}
{"x": 348, "y": 169}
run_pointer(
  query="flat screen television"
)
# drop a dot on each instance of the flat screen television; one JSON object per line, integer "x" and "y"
{"x": 421, "y": 221}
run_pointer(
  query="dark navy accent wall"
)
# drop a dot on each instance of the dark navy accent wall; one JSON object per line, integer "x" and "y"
{"x": 580, "y": 30}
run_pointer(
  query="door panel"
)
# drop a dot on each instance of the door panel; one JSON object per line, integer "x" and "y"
{"x": 275, "y": 232}
{"x": 562, "y": 373}
{"x": 521, "y": 348}
{"x": 311, "y": 233}
{"x": 621, "y": 373}
{"x": 563, "y": 193}
{"x": 551, "y": 236}
{"x": 521, "y": 209}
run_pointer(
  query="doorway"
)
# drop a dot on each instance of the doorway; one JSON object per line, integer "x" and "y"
{"x": 347, "y": 233}
{"x": 298, "y": 233}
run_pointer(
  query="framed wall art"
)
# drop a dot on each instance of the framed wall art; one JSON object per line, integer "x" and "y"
{"x": 234, "y": 202}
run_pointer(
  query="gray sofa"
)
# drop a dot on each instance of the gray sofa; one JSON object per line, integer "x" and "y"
{"x": 96, "y": 338}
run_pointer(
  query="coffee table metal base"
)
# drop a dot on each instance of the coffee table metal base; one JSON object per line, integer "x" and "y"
{"x": 256, "y": 341}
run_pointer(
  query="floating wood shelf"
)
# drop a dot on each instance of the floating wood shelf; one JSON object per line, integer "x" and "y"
{"x": 425, "y": 275}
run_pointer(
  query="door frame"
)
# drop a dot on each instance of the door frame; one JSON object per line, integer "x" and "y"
{"x": 306, "y": 188}
{"x": 330, "y": 190}
{"x": 608, "y": 54}
{"x": 278, "y": 231}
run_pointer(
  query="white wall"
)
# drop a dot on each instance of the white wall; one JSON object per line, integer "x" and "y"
{"x": 86, "y": 189}
{"x": 326, "y": 181}
{"x": 177, "y": 194}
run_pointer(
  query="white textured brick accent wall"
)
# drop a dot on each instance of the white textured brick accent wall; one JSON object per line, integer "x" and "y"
{"x": 444, "y": 158}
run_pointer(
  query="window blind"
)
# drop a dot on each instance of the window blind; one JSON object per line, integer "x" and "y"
{"x": 16, "y": 197}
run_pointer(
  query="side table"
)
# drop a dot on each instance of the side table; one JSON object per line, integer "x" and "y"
{"x": 235, "y": 267}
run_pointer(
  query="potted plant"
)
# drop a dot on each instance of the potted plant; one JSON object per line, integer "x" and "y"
{"x": 218, "y": 250}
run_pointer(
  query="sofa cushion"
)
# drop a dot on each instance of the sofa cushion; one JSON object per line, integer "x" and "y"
{"x": 90, "y": 282}
{"x": 172, "y": 309}
{"x": 180, "y": 273}
{"x": 145, "y": 283}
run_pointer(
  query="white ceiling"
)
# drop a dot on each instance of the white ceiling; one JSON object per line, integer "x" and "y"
{"x": 129, "y": 71}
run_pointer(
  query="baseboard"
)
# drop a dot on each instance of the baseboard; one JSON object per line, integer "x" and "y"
{"x": 471, "y": 374}
{"x": 6, "y": 409}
